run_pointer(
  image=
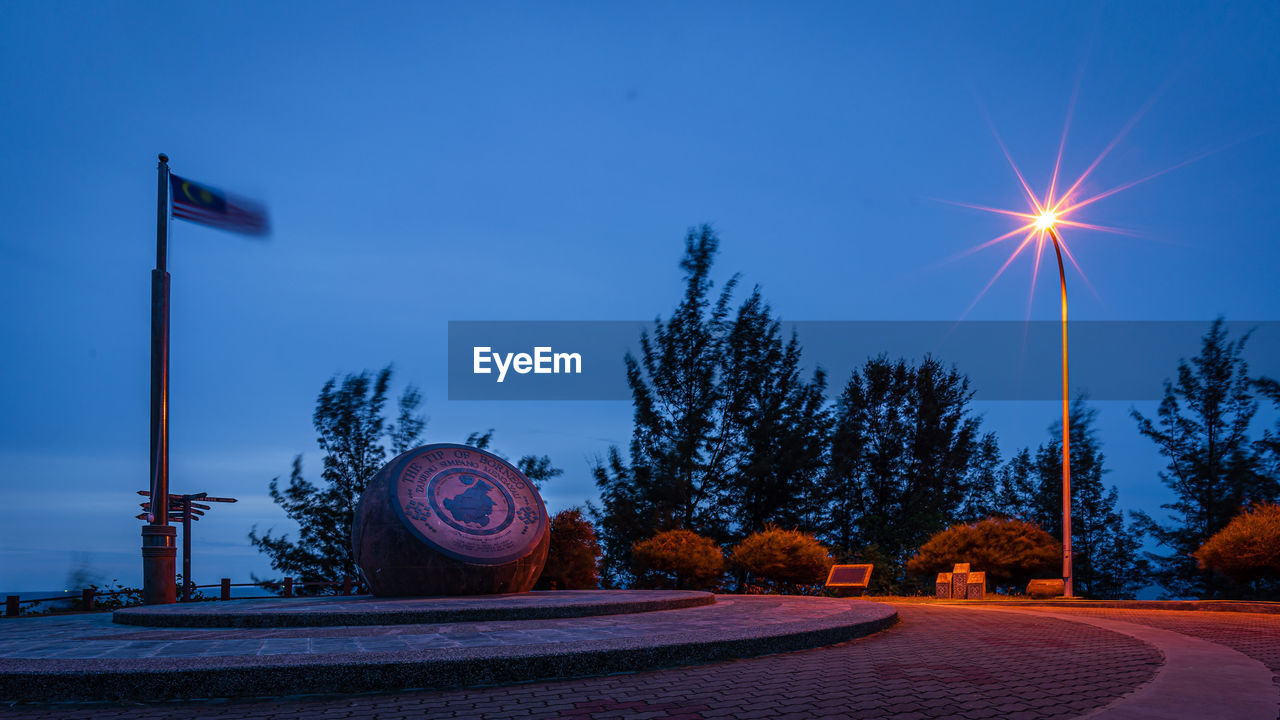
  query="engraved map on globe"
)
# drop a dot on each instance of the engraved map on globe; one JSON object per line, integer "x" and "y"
{"x": 470, "y": 505}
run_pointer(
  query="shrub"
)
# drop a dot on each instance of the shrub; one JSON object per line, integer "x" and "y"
{"x": 572, "y": 560}
{"x": 784, "y": 557}
{"x": 1009, "y": 551}
{"x": 679, "y": 556}
{"x": 1248, "y": 548}
{"x": 115, "y": 595}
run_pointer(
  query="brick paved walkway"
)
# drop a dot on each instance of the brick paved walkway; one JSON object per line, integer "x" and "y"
{"x": 1198, "y": 679}
{"x": 1255, "y": 635}
{"x": 938, "y": 662}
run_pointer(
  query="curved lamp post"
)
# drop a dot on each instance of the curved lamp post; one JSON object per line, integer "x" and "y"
{"x": 1044, "y": 217}
{"x": 1045, "y": 222}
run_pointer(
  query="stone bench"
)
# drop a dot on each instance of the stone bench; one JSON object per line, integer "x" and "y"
{"x": 1046, "y": 588}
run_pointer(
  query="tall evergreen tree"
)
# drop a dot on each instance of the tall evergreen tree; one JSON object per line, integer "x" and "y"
{"x": 982, "y": 494}
{"x": 354, "y": 436}
{"x": 1016, "y": 489}
{"x": 622, "y": 517}
{"x": 727, "y": 435}
{"x": 1117, "y": 567}
{"x": 902, "y": 454}
{"x": 1268, "y": 447}
{"x": 1213, "y": 469}
{"x": 681, "y": 441}
{"x": 1106, "y": 562}
{"x": 1045, "y": 503}
{"x": 780, "y": 425}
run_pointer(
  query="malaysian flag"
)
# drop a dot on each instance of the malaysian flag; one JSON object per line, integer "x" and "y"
{"x": 209, "y": 206}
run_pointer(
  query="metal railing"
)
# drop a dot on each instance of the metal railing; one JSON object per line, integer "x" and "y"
{"x": 346, "y": 586}
{"x": 88, "y": 598}
{"x": 284, "y": 588}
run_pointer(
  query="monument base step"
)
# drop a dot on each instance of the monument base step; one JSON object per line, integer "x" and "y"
{"x": 369, "y": 610}
{"x": 88, "y": 658}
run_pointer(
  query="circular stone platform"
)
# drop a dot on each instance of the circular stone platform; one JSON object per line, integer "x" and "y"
{"x": 366, "y": 610}
{"x": 88, "y": 657}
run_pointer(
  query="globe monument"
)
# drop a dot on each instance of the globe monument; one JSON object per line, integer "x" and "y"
{"x": 449, "y": 519}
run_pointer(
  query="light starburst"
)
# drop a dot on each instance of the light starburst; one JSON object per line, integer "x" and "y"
{"x": 1047, "y": 214}
{"x": 1046, "y": 220}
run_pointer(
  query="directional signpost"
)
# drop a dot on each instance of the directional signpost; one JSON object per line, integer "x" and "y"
{"x": 184, "y": 508}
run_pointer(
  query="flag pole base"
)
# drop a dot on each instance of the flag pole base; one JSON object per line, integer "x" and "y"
{"x": 159, "y": 553}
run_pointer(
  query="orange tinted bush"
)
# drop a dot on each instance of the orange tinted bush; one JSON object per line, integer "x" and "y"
{"x": 1248, "y": 548}
{"x": 1007, "y": 550}
{"x": 680, "y": 556}
{"x": 574, "y": 555}
{"x": 783, "y": 556}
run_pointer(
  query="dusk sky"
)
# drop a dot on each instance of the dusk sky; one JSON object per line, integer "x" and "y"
{"x": 542, "y": 161}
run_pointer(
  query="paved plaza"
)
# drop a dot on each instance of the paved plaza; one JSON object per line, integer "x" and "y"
{"x": 938, "y": 661}
{"x": 89, "y": 657}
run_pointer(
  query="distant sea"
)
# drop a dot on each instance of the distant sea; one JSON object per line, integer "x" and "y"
{"x": 75, "y": 594}
{"x": 24, "y": 594}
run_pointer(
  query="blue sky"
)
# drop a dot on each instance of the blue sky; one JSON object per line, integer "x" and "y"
{"x": 430, "y": 162}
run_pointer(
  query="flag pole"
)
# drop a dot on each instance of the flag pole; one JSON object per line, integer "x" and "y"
{"x": 158, "y": 549}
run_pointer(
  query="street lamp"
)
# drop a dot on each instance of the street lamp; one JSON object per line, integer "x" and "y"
{"x": 1045, "y": 222}
{"x": 1046, "y": 214}
{"x": 1041, "y": 219}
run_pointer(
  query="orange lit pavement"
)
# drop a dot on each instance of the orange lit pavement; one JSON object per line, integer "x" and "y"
{"x": 938, "y": 662}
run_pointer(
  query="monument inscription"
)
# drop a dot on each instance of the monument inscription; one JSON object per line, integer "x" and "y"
{"x": 469, "y": 505}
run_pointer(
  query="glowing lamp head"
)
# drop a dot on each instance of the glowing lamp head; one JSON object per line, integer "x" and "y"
{"x": 1046, "y": 220}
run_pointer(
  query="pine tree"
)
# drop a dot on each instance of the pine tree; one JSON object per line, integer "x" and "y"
{"x": 982, "y": 496}
{"x": 1105, "y": 562}
{"x": 727, "y": 436}
{"x": 902, "y": 454}
{"x": 1045, "y": 508}
{"x": 1268, "y": 448}
{"x": 352, "y": 432}
{"x": 623, "y": 516}
{"x": 1118, "y": 567}
{"x": 681, "y": 438}
{"x": 780, "y": 426}
{"x": 1214, "y": 469}
{"x": 1016, "y": 494}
